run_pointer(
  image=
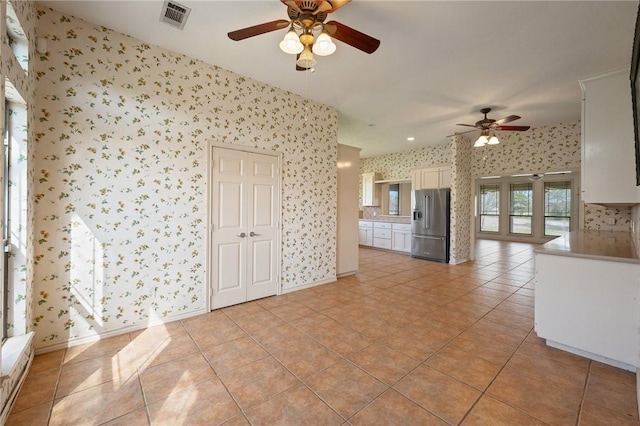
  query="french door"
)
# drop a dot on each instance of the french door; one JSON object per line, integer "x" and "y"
{"x": 244, "y": 223}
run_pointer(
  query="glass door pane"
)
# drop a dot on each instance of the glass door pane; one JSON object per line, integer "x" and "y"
{"x": 520, "y": 208}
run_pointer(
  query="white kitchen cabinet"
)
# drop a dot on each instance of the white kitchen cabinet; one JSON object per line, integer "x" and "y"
{"x": 382, "y": 235}
{"x": 416, "y": 179}
{"x": 370, "y": 191}
{"x": 589, "y": 307}
{"x": 401, "y": 237}
{"x": 431, "y": 178}
{"x": 608, "y": 156}
{"x": 365, "y": 233}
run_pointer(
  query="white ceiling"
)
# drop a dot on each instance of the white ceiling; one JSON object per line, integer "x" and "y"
{"x": 438, "y": 63}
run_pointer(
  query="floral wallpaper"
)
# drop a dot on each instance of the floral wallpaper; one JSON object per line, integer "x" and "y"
{"x": 461, "y": 186}
{"x": 123, "y": 130}
{"x": 545, "y": 149}
{"x": 399, "y": 165}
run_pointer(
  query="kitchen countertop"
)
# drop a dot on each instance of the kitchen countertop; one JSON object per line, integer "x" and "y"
{"x": 390, "y": 219}
{"x": 598, "y": 245}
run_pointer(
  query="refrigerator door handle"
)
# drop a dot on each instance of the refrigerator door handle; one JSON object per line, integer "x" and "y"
{"x": 427, "y": 212}
{"x": 429, "y": 237}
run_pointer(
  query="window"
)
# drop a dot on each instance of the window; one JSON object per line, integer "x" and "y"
{"x": 394, "y": 199}
{"x": 16, "y": 37}
{"x": 15, "y": 225}
{"x": 557, "y": 208}
{"x": 526, "y": 208}
{"x": 490, "y": 208}
{"x": 520, "y": 208}
{"x": 5, "y": 218}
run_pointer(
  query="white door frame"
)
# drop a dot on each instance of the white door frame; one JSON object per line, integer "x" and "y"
{"x": 209, "y": 264}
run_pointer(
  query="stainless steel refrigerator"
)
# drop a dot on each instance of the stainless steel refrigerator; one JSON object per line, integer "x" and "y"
{"x": 430, "y": 224}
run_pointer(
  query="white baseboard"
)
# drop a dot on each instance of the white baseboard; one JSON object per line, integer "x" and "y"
{"x": 305, "y": 286}
{"x": 590, "y": 355}
{"x": 346, "y": 274}
{"x": 76, "y": 341}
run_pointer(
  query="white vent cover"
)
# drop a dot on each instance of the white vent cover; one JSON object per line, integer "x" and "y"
{"x": 174, "y": 14}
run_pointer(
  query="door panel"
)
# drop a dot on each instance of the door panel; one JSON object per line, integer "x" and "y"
{"x": 263, "y": 213}
{"x": 230, "y": 208}
{"x": 262, "y": 271}
{"x": 228, "y": 218}
{"x": 263, "y": 223}
{"x": 433, "y": 248}
{"x": 244, "y": 240}
{"x": 230, "y": 278}
{"x": 264, "y": 169}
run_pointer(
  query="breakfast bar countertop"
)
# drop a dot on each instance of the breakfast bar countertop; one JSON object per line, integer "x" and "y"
{"x": 612, "y": 246}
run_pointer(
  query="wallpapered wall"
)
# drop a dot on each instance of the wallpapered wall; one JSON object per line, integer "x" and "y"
{"x": 545, "y": 149}
{"x": 399, "y": 165}
{"x": 461, "y": 186}
{"x": 122, "y": 138}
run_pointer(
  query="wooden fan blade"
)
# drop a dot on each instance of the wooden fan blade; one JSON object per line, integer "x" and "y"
{"x": 336, "y": 4}
{"x": 506, "y": 120}
{"x": 352, "y": 37}
{"x": 292, "y": 4}
{"x": 519, "y": 128}
{"x": 258, "y": 29}
{"x": 468, "y": 125}
{"x": 459, "y": 133}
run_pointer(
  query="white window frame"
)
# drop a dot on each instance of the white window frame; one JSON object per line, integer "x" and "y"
{"x": 537, "y": 221}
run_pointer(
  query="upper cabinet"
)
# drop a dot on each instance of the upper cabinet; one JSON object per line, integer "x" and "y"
{"x": 370, "y": 191}
{"x": 431, "y": 178}
{"x": 608, "y": 156}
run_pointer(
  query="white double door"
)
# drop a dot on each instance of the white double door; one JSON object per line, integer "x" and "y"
{"x": 244, "y": 223}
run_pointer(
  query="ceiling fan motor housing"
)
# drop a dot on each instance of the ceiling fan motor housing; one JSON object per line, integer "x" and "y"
{"x": 307, "y": 11}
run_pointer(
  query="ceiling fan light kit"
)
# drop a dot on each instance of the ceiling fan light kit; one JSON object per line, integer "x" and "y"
{"x": 306, "y": 59}
{"x": 291, "y": 43}
{"x": 487, "y": 125}
{"x": 306, "y": 20}
{"x": 482, "y": 141}
{"x": 324, "y": 46}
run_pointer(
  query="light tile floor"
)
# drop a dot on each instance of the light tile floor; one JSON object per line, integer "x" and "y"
{"x": 404, "y": 342}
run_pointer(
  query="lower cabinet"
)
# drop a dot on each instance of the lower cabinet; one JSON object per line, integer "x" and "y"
{"x": 401, "y": 237}
{"x": 385, "y": 235}
{"x": 589, "y": 307}
{"x": 365, "y": 233}
{"x": 382, "y": 235}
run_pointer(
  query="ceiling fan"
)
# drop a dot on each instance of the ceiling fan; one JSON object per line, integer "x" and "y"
{"x": 306, "y": 19}
{"x": 487, "y": 125}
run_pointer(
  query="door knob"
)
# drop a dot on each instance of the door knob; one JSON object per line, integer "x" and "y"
{"x": 242, "y": 235}
{"x": 253, "y": 234}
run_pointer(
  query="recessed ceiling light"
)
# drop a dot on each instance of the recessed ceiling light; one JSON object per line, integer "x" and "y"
{"x": 411, "y": 139}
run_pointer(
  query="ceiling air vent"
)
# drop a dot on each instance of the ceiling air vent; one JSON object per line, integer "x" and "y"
{"x": 174, "y": 14}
